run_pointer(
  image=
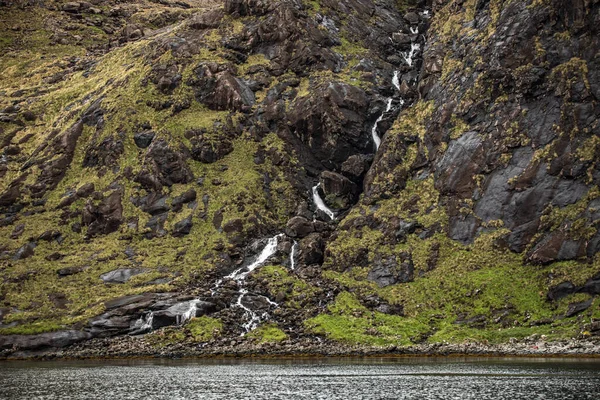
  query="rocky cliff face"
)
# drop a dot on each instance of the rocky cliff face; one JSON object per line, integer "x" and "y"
{"x": 378, "y": 173}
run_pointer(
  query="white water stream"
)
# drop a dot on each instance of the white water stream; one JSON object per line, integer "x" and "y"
{"x": 293, "y": 255}
{"x": 374, "y": 134}
{"x": 189, "y": 313}
{"x": 320, "y": 203}
{"x": 252, "y": 318}
{"x": 270, "y": 249}
{"x": 409, "y": 57}
{"x": 143, "y": 323}
{"x": 396, "y": 80}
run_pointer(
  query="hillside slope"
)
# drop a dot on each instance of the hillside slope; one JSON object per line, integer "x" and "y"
{"x": 202, "y": 173}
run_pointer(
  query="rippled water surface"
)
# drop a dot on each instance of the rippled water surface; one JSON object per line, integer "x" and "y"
{"x": 371, "y": 378}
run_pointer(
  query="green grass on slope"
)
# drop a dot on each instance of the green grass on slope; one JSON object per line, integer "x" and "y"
{"x": 474, "y": 293}
{"x": 350, "y": 321}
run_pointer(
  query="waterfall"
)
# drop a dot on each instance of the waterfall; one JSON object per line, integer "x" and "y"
{"x": 143, "y": 324}
{"x": 293, "y": 255}
{"x": 396, "y": 80}
{"x": 320, "y": 203}
{"x": 267, "y": 252}
{"x": 253, "y": 318}
{"x": 188, "y": 314}
{"x": 408, "y": 57}
{"x": 376, "y": 138}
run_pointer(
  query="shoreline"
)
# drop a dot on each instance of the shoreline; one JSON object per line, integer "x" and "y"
{"x": 101, "y": 350}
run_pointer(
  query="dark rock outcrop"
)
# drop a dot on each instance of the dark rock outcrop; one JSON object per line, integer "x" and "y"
{"x": 105, "y": 217}
{"x": 44, "y": 340}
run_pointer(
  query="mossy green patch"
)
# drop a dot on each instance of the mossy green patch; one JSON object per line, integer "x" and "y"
{"x": 475, "y": 292}
{"x": 203, "y": 329}
{"x": 351, "y": 322}
{"x": 267, "y": 333}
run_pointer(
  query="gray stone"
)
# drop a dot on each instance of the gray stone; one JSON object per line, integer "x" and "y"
{"x": 389, "y": 271}
{"x": 121, "y": 275}
{"x": 299, "y": 227}
{"x": 183, "y": 227}
{"x": 561, "y": 290}
{"x": 576, "y": 308}
{"x": 51, "y": 339}
{"x": 25, "y": 251}
{"x": 144, "y": 139}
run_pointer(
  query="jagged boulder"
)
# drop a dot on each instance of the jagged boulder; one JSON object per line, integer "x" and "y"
{"x": 183, "y": 227}
{"x": 105, "y": 217}
{"x": 222, "y": 90}
{"x": 339, "y": 191}
{"x": 311, "y": 250}
{"x": 144, "y": 139}
{"x": 164, "y": 167}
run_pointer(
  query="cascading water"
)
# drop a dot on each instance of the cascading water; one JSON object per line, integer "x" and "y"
{"x": 188, "y": 314}
{"x": 396, "y": 80}
{"x": 414, "y": 48}
{"x": 293, "y": 255}
{"x": 268, "y": 251}
{"x": 374, "y": 134}
{"x": 408, "y": 57}
{"x": 240, "y": 274}
{"x": 320, "y": 203}
{"x": 253, "y": 318}
{"x": 143, "y": 324}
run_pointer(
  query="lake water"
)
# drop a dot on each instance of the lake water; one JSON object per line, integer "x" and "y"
{"x": 370, "y": 378}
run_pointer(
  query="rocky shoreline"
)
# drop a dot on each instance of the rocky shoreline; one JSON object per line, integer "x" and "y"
{"x": 130, "y": 347}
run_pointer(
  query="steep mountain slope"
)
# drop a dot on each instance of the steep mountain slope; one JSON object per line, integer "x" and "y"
{"x": 170, "y": 160}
